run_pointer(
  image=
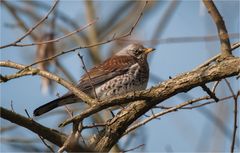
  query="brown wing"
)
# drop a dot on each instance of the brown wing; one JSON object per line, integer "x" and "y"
{"x": 112, "y": 67}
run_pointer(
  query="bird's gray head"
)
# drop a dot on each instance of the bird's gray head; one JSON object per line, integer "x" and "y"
{"x": 135, "y": 50}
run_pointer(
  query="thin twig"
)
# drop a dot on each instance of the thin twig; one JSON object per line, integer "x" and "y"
{"x": 235, "y": 97}
{"x": 69, "y": 111}
{"x": 60, "y": 38}
{"x": 215, "y": 86}
{"x": 27, "y": 113}
{"x": 171, "y": 109}
{"x": 43, "y": 141}
{"x": 64, "y": 17}
{"x": 89, "y": 77}
{"x": 198, "y": 99}
{"x": 230, "y": 87}
{"x": 139, "y": 146}
{"x": 207, "y": 103}
{"x": 11, "y": 103}
{"x": 12, "y": 9}
{"x": 33, "y": 28}
{"x": 174, "y": 108}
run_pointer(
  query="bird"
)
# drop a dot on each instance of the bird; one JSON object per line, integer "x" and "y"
{"x": 126, "y": 71}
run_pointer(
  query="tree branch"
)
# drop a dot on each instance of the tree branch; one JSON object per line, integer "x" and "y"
{"x": 51, "y": 135}
{"x": 34, "y": 71}
{"x": 60, "y": 38}
{"x": 222, "y": 30}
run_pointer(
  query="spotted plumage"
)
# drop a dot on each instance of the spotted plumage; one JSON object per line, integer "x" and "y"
{"x": 124, "y": 72}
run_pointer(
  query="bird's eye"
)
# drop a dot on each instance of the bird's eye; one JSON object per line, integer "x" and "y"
{"x": 138, "y": 52}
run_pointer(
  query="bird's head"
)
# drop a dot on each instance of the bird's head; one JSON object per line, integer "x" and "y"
{"x": 135, "y": 50}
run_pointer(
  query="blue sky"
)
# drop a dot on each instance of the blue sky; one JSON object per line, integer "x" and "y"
{"x": 186, "y": 130}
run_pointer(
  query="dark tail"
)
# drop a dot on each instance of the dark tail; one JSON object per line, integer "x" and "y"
{"x": 64, "y": 100}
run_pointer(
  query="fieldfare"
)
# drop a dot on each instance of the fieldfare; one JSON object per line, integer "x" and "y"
{"x": 124, "y": 72}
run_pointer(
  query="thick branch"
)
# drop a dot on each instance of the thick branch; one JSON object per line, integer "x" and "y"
{"x": 117, "y": 126}
{"x": 53, "y": 136}
{"x": 222, "y": 30}
{"x": 168, "y": 88}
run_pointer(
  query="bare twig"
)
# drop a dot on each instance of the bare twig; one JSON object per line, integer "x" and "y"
{"x": 163, "y": 112}
{"x": 60, "y": 38}
{"x": 207, "y": 103}
{"x": 139, "y": 146}
{"x": 215, "y": 86}
{"x": 41, "y": 138}
{"x": 69, "y": 111}
{"x": 32, "y": 28}
{"x": 27, "y": 113}
{"x": 235, "y": 97}
{"x": 222, "y": 30}
{"x": 12, "y": 106}
{"x": 199, "y": 105}
{"x": 89, "y": 77}
{"x": 230, "y": 88}
{"x": 64, "y": 17}
{"x": 15, "y": 14}
{"x": 175, "y": 108}
{"x": 43, "y": 141}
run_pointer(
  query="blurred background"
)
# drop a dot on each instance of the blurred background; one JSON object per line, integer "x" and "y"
{"x": 183, "y": 34}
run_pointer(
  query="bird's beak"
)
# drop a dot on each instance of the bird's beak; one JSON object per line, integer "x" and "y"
{"x": 148, "y": 50}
